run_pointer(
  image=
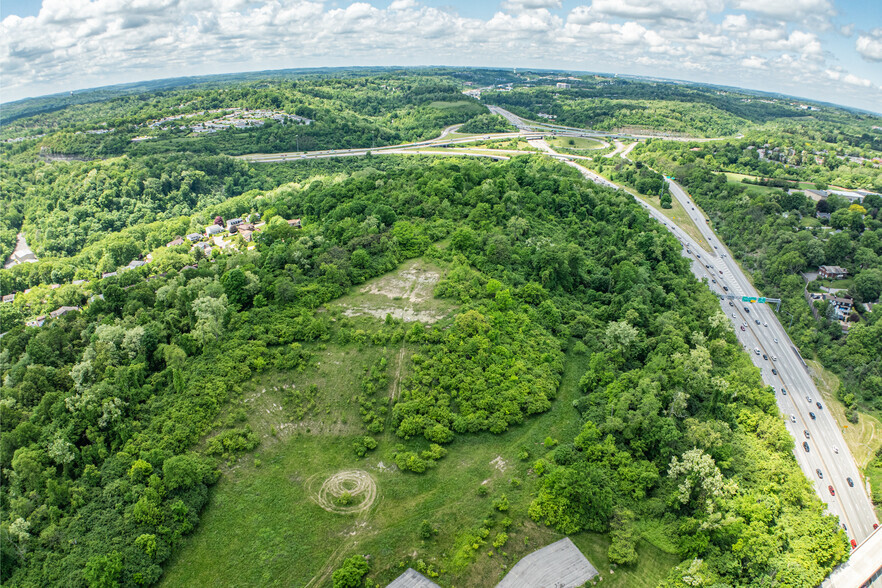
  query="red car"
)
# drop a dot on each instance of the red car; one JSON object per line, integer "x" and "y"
{"x": 853, "y": 544}
{"x": 830, "y": 488}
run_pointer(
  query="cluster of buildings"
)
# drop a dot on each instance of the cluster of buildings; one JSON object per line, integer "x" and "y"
{"x": 214, "y": 233}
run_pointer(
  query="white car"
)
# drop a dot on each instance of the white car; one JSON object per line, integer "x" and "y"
{"x": 776, "y": 340}
{"x": 765, "y": 324}
{"x": 733, "y": 315}
{"x": 835, "y": 449}
{"x": 792, "y": 418}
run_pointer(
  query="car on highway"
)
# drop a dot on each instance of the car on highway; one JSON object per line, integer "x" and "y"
{"x": 774, "y": 372}
{"x": 756, "y": 350}
{"x": 745, "y": 323}
{"x": 784, "y": 391}
{"x": 835, "y": 449}
{"x": 818, "y": 404}
{"x": 715, "y": 247}
{"x": 832, "y": 492}
{"x": 807, "y": 434}
{"x": 853, "y": 544}
{"x": 776, "y": 340}
{"x": 805, "y": 445}
{"x": 713, "y": 280}
{"x": 774, "y": 358}
{"x": 742, "y": 328}
{"x": 747, "y": 310}
{"x": 808, "y": 399}
{"x": 850, "y": 483}
{"x": 731, "y": 303}
{"x": 726, "y": 288}
{"x": 756, "y": 321}
{"x": 765, "y": 324}
{"x": 733, "y": 315}
{"x": 811, "y": 414}
{"x": 721, "y": 272}
{"x": 766, "y": 357}
{"x": 820, "y": 473}
{"x": 793, "y": 418}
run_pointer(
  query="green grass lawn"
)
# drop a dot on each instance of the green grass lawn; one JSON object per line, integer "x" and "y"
{"x": 263, "y": 526}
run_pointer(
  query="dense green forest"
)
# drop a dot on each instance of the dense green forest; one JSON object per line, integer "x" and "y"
{"x": 103, "y": 474}
{"x": 118, "y": 418}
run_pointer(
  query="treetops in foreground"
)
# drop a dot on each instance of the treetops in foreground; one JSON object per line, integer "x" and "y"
{"x": 103, "y": 410}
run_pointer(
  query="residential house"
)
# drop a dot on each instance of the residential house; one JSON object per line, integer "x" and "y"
{"x": 188, "y": 267}
{"x": 78, "y": 282}
{"x": 212, "y": 230}
{"x": 841, "y": 307}
{"x": 295, "y": 222}
{"x": 9, "y": 297}
{"x": 62, "y": 311}
{"x": 37, "y": 322}
{"x": 832, "y": 272}
{"x": 234, "y": 222}
{"x": 563, "y": 85}
{"x": 823, "y": 216}
{"x": 194, "y": 237}
{"x": 135, "y": 263}
{"x": 108, "y": 275}
{"x": 174, "y": 242}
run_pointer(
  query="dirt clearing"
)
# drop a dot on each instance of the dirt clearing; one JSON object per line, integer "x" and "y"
{"x": 406, "y": 294}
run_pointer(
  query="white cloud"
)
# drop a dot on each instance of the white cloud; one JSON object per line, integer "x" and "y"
{"x": 519, "y": 5}
{"x": 754, "y": 62}
{"x": 787, "y": 9}
{"x": 654, "y": 9}
{"x": 838, "y": 75}
{"x": 870, "y": 46}
{"x": 402, "y": 4}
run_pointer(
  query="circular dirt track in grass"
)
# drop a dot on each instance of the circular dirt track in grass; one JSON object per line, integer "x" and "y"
{"x": 360, "y": 486}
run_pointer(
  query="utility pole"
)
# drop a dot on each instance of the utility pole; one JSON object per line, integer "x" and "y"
{"x": 297, "y": 138}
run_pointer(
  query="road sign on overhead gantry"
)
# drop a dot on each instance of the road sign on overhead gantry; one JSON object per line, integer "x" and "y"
{"x": 762, "y": 300}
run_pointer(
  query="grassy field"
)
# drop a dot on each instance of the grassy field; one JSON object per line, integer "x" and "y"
{"x": 677, "y": 214}
{"x": 269, "y": 522}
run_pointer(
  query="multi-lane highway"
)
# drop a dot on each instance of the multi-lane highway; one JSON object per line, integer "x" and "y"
{"x": 820, "y": 448}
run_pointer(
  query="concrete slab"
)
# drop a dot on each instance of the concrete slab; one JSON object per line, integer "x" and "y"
{"x": 559, "y": 565}
{"x": 412, "y": 579}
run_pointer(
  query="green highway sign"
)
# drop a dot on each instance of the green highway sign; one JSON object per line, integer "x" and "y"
{"x": 762, "y": 299}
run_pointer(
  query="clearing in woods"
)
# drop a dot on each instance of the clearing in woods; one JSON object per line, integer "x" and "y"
{"x": 406, "y": 294}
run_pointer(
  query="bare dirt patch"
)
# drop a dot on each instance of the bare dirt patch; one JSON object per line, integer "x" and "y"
{"x": 358, "y": 486}
{"x": 499, "y": 463}
{"x": 406, "y": 294}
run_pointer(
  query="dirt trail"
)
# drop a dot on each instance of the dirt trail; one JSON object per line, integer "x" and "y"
{"x": 395, "y": 392}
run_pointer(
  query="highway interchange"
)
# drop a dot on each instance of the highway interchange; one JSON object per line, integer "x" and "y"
{"x": 827, "y": 461}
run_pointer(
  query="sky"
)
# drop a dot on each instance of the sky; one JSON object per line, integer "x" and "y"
{"x": 827, "y": 50}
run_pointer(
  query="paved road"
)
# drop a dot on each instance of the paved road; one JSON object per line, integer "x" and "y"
{"x": 807, "y": 423}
